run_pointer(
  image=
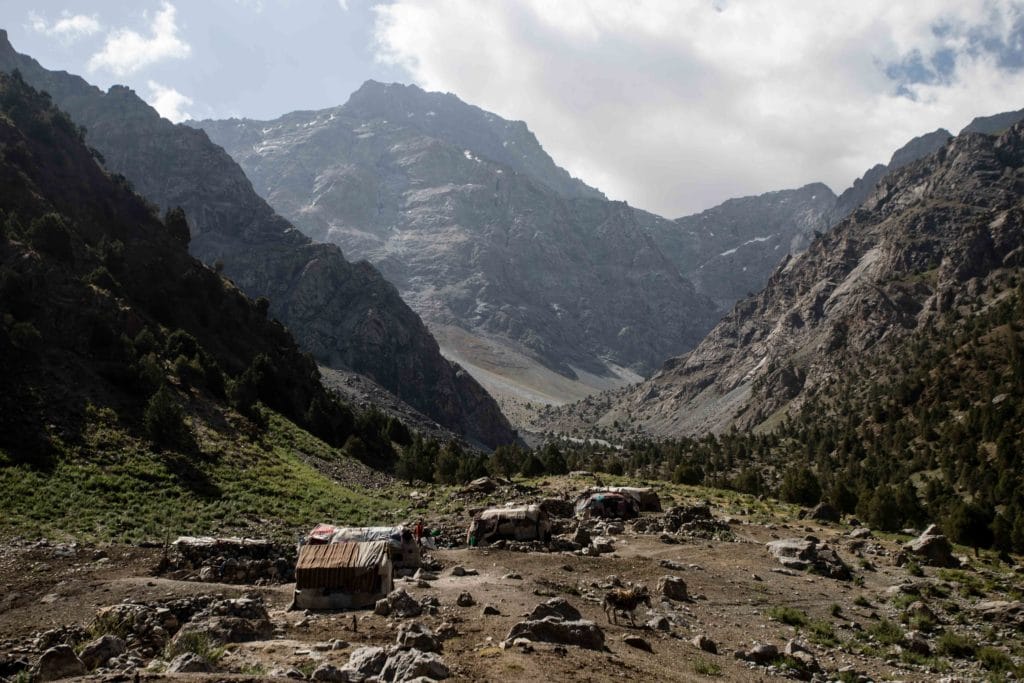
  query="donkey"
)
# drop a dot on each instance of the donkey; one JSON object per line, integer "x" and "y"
{"x": 625, "y": 600}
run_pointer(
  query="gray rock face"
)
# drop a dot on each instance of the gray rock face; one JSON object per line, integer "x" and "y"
{"x": 367, "y": 661}
{"x": 932, "y": 548}
{"x": 99, "y": 651}
{"x": 857, "y": 194}
{"x": 555, "y": 607}
{"x": 406, "y": 665}
{"x": 344, "y": 313}
{"x": 477, "y": 227}
{"x": 582, "y": 633}
{"x": 398, "y": 603}
{"x": 853, "y": 292}
{"x": 801, "y": 554}
{"x": 59, "y": 662}
{"x": 416, "y": 635}
{"x": 187, "y": 663}
{"x": 995, "y": 124}
{"x": 673, "y": 588}
{"x": 729, "y": 251}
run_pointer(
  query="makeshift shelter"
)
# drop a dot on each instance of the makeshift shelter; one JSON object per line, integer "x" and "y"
{"x": 607, "y": 505}
{"x": 343, "y": 575}
{"x": 646, "y": 498}
{"x": 405, "y": 552}
{"x": 524, "y": 523}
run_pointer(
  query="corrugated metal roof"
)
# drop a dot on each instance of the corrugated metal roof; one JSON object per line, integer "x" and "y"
{"x": 340, "y": 565}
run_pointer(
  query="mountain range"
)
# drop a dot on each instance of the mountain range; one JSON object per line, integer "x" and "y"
{"x": 930, "y": 241}
{"x": 345, "y": 314}
{"x": 535, "y": 282}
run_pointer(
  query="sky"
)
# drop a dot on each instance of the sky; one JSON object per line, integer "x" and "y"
{"x": 671, "y": 105}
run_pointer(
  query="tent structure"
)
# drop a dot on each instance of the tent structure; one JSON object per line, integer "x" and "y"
{"x": 646, "y": 498}
{"x": 607, "y": 505}
{"x": 523, "y": 523}
{"x": 343, "y": 575}
{"x": 404, "y": 551}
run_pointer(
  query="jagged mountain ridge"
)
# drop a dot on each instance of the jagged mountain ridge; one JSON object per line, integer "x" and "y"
{"x": 93, "y": 285}
{"x": 922, "y": 243}
{"x": 345, "y": 314}
{"x": 477, "y": 244}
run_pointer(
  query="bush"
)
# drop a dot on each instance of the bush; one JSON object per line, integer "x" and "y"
{"x": 49, "y": 234}
{"x": 887, "y": 632}
{"x": 177, "y": 224}
{"x": 164, "y": 420}
{"x": 788, "y": 615}
{"x": 953, "y": 644}
{"x": 799, "y": 485}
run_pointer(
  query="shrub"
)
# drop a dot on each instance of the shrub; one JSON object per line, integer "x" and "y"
{"x": 887, "y": 632}
{"x": 799, "y": 485}
{"x": 49, "y": 233}
{"x": 197, "y": 643}
{"x": 164, "y": 420}
{"x": 706, "y": 667}
{"x": 953, "y": 644}
{"x": 788, "y": 615}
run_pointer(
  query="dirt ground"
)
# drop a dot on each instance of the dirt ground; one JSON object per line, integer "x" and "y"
{"x": 733, "y": 585}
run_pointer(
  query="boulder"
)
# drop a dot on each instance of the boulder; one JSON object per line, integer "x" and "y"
{"x": 805, "y": 553}
{"x": 916, "y": 642}
{"x": 659, "y": 624}
{"x": 702, "y": 642}
{"x": 860, "y": 532}
{"x": 465, "y": 599}
{"x": 582, "y": 633}
{"x": 602, "y": 545}
{"x": 555, "y": 607}
{"x": 637, "y": 642}
{"x": 932, "y": 548}
{"x": 406, "y": 665}
{"x": 762, "y": 653}
{"x": 58, "y": 662}
{"x": 490, "y": 610}
{"x": 187, "y": 663}
{"x": 673, "y": 588}
{"x": 224, "y": 630}
{"x": 329, "y": 672}
{"x": 415, "y": 635}
{"x": 367, "y": 661}
{"x": 99, "y": 651}
{"x": 824, "y": 512}
{"x": 398, "y": 603}
{"x": 1001, "y": 611}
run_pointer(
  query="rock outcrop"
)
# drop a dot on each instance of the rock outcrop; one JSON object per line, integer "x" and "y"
{"x": 345, "y": 314}
{"x": 906, "y": 257}
{"x": 497, "y": 248}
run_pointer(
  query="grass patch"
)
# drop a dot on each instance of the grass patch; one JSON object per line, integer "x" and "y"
{"x": 861, "y": 601}
{"x": 199, "y": 644}
{"x": 969, "y": 585}
{"x": 114, "y": 487}
{"x": 822, "y": 633}
{"x": 788, "y": 615}
{"x": 705, "y": 667}
{"x": 835, "y": 610}
{"x": 886, "y": 632}
{"x": 932, "y": 663}
{"x": 953, "y": 644}
{"x": 998, "y": 661}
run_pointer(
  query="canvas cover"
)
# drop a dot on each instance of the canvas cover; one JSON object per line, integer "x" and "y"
{"x": 646, "y": 498}
{"x": 524, "y": 523}
{"x": 607, "y": 505}
{"x": 352, "y": 567}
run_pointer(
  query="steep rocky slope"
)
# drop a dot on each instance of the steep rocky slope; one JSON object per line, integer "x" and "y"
{"x": 512, "y": 264}
{"x": 345, "y": 314}
{"x": 921, "y": 245}
{"x": 995, "y": 124}
{"x": 103, "y": 311}
{"x": 857, "y": 194}
{"x": 730, "y": 250}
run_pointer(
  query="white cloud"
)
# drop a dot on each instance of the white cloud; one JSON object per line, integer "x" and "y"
{"x": 126, "y": 51}
{"x": 169, "y": 102}
{"x": 343, "y": 4}
{"x": 678, "y": 106}
{"x": 68, "y": 28}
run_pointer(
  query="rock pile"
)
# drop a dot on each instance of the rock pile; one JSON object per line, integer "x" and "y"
{"x": 807, "y": 553}
{"x": 230, "y": 560}
{"x": 690, "y": 521}
{"x": 556, "y": 621}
